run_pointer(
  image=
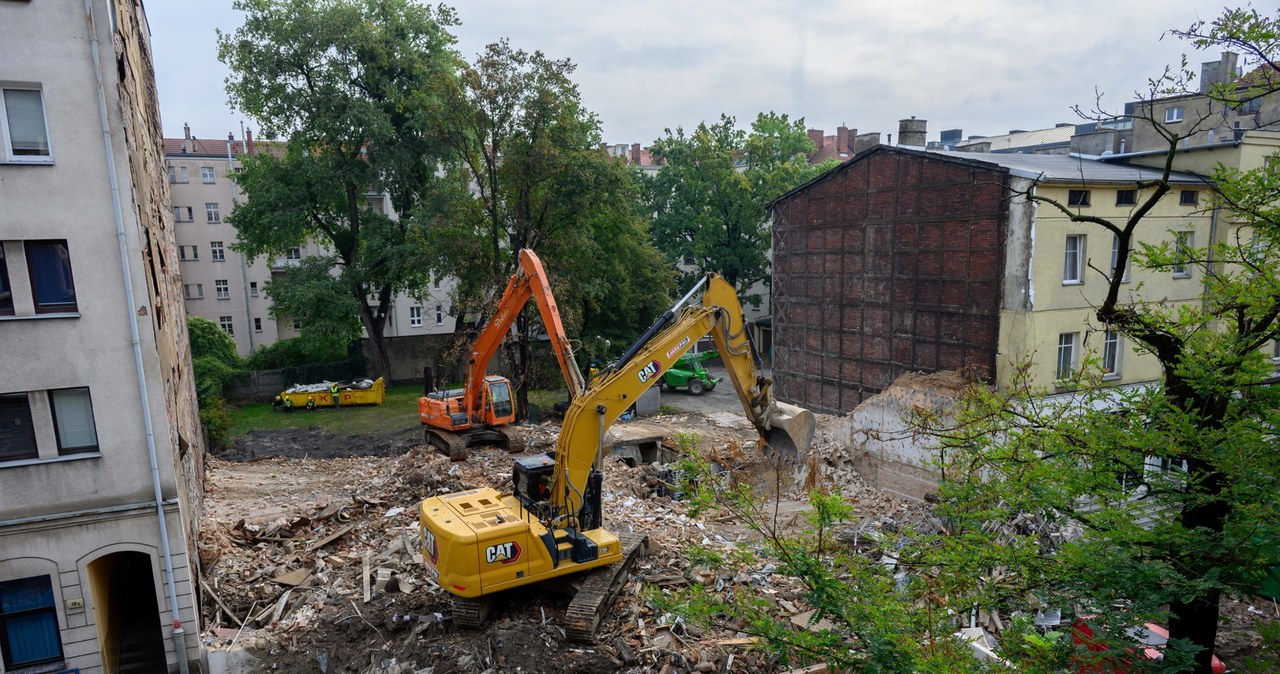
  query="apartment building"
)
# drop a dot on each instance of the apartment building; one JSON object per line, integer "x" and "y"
{"x": 223, "y": 285}
{"x": 909, "y": 261}
{"x": 100, "y": 443}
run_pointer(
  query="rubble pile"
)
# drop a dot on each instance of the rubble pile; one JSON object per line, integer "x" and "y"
{"x": 314, "y": 565}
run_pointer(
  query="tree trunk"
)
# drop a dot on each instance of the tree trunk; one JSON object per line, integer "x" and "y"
{"x": 522, "y": 367}
{"x": 380, "y": 362}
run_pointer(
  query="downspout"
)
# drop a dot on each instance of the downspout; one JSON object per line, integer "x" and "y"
{"x": 1213, "y": 241}
{"x": 244, "y": 266}
{"x": 179, "y": 647}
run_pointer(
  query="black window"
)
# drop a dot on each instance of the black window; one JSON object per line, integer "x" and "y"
{"x": 49, "y": 264}
{"x": 29, "y": 623}
{"x": 1189, "y": 197}
{"x": 17, "y": 436}
{"x": 1126, "y": 197}
{"x": 1078, "y": 198}
{"x": 6, "y": 290}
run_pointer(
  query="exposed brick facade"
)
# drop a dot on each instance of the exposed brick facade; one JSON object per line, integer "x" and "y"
{"x": 888, "y": 264}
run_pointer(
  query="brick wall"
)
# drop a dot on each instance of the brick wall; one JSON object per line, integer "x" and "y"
{"x": 890, "y": 264}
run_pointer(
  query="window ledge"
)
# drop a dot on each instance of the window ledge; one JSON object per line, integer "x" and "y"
{"x": 57, "y": 459}
{"x": 1111, "y": 377}
{"x": 40, "y": 317}
{"x": 1073, "y": 283}
{"x": 47, "y": 161}
{"x": 41, "y": 669}
{"x": 1182, "y": 276}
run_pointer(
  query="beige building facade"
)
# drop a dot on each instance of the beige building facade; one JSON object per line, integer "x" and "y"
{"x": 100, "y": 444}
{"x": 222, "y": 285}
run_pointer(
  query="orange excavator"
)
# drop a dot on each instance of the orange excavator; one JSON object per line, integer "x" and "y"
{"x": 457, "y": 419}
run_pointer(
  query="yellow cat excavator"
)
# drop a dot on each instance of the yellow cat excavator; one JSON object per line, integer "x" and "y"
{"x": 480, "y": 542}
{"x": 456, "y": 419}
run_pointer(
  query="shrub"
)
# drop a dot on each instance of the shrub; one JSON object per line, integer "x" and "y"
{"x": 216, "y": 423}
{"x": 296, "y": 352}
{"x": 209, "y": 340}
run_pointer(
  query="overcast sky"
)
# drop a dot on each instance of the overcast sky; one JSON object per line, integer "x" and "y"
{"x": 984, "y": 66}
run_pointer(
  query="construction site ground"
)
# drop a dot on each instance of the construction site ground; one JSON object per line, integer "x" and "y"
{"x": 309, "y": 550}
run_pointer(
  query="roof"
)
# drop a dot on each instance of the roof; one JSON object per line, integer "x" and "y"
{"x": 212, "y": 147}
{"x": 1066, "y": 168}
{"x": 1044, "y": 167}
{"x": 1060, "y": 135}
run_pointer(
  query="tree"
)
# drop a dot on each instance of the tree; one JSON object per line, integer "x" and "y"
{"x": 1131, "y": 505}
{"x": 708, "y": 199}
{"x": 357, "y": 88}
{"x": 531, "y": 174}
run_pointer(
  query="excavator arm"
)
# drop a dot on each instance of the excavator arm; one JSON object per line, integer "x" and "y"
{"x": 787, "y": 429}
{"x": 529, "y": 281}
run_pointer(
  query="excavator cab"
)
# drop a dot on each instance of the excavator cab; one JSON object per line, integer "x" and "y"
{"x": 531, "y": 480}
{"x": 497, "y": 401}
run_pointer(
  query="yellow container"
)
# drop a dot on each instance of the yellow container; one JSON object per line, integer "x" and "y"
{"x": 374, "y": 395}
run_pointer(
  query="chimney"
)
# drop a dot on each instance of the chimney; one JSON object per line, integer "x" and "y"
{"x": 1222, "y": 71}
{"x": 635, "y": 153}
{"x": 815, "y": 135}
{"x": 186, "y": 130}
{"x": 248, "y": 141}
{"x": 911, "y": 132}
{"x": 842, "y": 138}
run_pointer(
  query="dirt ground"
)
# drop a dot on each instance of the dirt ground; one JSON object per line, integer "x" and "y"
{"x": 296, "y": 520}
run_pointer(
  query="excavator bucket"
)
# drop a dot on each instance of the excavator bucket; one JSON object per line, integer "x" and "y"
{"x": 790, "y": 431}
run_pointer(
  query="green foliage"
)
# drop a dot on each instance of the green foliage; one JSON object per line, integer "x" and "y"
{"x": 296, "y": 352}
{"x": 708, "y": 199}
{"x": 212, "y": 376}
{"x": 326, "y": 311}
{"x": 358, "y": 89}
{"x": 210, "y": 341}
{"x": 216, "y": 424}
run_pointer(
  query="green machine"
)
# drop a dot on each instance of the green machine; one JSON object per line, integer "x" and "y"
{"x": 689, "y": 374}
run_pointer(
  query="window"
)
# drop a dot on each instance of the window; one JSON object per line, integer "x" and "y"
{"x": 49, "y": 265}
{"x": 225, "y": 323}
{"x": 1126, "y": 197}
{"x": 439, "y": 315}
{"x": 1066, "y": 354}
{"x": 1111, "y": 353}
{"x": 1172, "y": 115}
{"x": 211, "y": 213}
{"x": 1073, "y": 260}
{"x": 415, "y": 317}
{"x": 206, "y": 175}
{"x": 183, "y": 214}
{"x": 222, "y": 289}
{"x": 1182, "y": 253}
{"x": 1077, "y": 197}
{"x": 297, "y": 324}
{"x": 257, "y": 325}
{"x": 193, "y": 291}
{"x": 29, "y": 634}
{"x": 1251, "y": 106}
{"x": 1189, "y": 197}
{"x": 1115, "y": 258}
{"x": 1275, "y": 350}
{"x": 17, "y": 435}
{"x": 188, "y": 253}
{"x": 73, "y": 420}
{"x": 294, "y": 253}
{"x": 26, "y": 136}
{"x": 6, "y": 290}
{"x": 219, "y": 254}
{"x": 253, "y": 288}
{"x": 178, "y": 174}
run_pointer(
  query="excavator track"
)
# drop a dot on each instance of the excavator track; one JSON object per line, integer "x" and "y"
{"x": 447, "y": 443}
{"x": 470, "y": 613}
{"x": 599, "y": 588}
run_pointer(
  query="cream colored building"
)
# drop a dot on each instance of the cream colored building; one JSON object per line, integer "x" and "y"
{"x": 1057, "y": 271}
{"x": 222, "y": 285}
{"x": 100, "y": 444}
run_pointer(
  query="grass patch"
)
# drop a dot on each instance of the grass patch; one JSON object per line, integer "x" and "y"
{"x": 399, "y": 412}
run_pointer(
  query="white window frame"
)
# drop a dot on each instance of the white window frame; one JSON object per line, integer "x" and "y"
{"x": 1115, "y": 253}
{"x": 293, "y": 254}
{"x": 1182, "y": 241}
{"x": 222, "y": 289}
{"x": 206, "y": 175}
{"x": 1111, "y": 343}
{"x": 415, "y": 317}
{"x": 228, "y": 324}
{"x": 1067, "y": 355}
{"x": 257, "y": 324}
{"x": 9, "y": 156}
{"x": 253, "y": 289}
{"x": 1173, "y": 115}
{"x": 1073, "y": 271}
{"x": 218, "y": 252}
{"x": 439, "y": 314}
{"x": 212, "y": 212}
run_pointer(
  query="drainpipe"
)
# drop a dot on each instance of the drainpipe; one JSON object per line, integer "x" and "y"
{"x": 179, "y": 647}
{"x": 244, "y": 267}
